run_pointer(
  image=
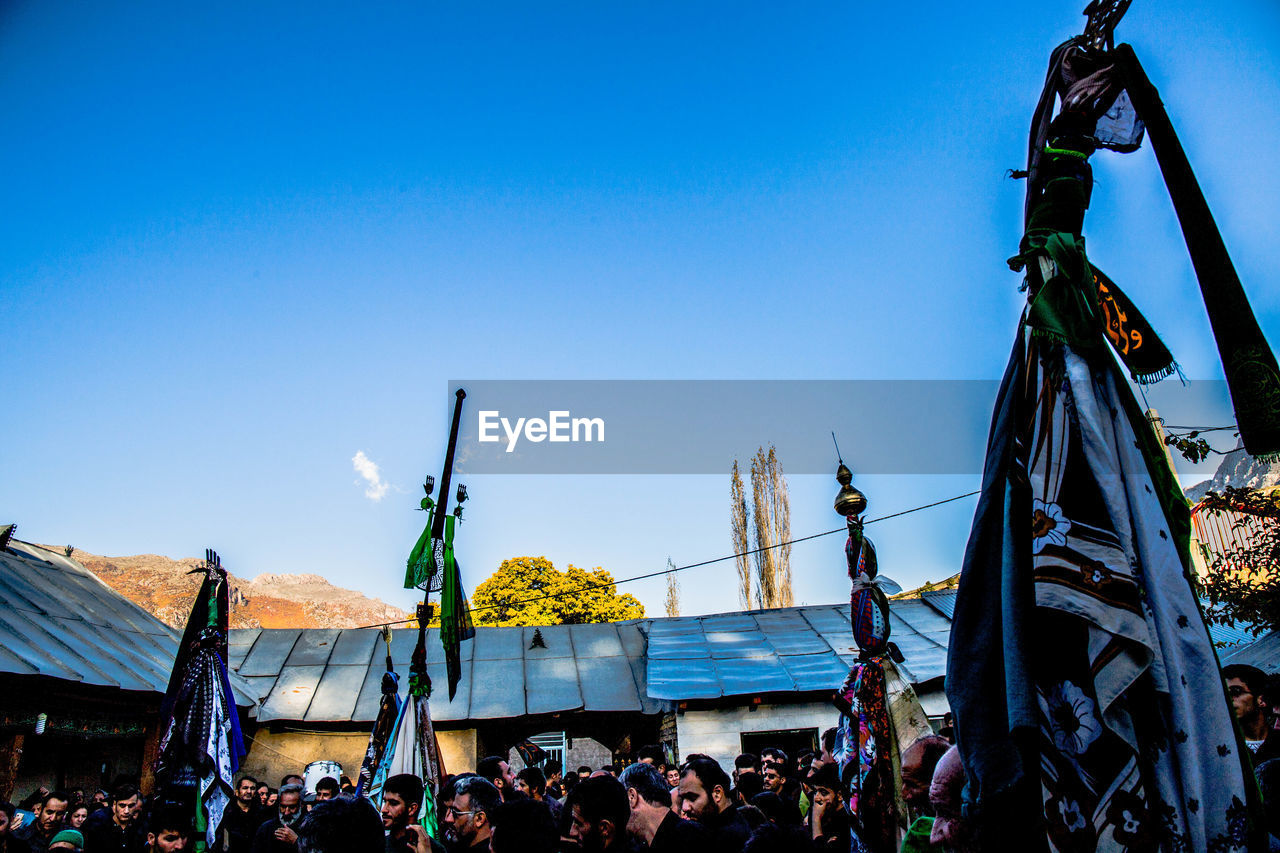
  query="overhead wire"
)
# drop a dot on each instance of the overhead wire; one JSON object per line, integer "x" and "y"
{"x": 589, "y": 587}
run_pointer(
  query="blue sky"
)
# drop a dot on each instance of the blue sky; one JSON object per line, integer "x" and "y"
{"x": 244, "y": 243}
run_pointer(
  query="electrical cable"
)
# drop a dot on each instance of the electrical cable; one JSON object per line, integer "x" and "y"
{"x": 617, "y": 583}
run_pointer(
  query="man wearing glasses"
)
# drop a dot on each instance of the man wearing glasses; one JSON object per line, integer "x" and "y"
{"x": 467, "y": 817}
{"x": 1245, "y": 686}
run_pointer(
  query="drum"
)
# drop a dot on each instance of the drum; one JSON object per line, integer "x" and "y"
{"x": 317, "y": 770}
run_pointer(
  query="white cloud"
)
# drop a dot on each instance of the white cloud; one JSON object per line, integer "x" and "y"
{"x": 375, "y": 486}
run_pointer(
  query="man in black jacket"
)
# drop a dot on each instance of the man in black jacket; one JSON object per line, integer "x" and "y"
{"x": 277, "y": 835}
{"x": 116, "y": 829}
{"x": 241, "y": 818}
{"x": 652, "y": 823}
{"x": 599, "y": 815}
{"x": 705, "y": 796}
{"x": 50, "y": 811}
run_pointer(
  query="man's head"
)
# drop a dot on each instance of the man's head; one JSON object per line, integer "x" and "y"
{"x": 704, "y": 790}
{"x": 749, "y": 784}
{"x": 773, "y": 755}
{"x": 289, "y": 803}
{"x": 341, "y": 825}
{"x": 827, "y": 794}
{"x": 828, "y": 745}
{"x": 51, "y": 811}
{"x": 169, "y": 830}
{"x": 401, "y": 800}
{"x": 531, "y": 783}
{"x": 247, "y": 790}
{"x": 584, "y": 772}
{"x": 495, "y": 769}
{"x": 552, "y": 769}
{"x": 125, "y": 804}
{"x": 524, "y": 826}
{"x": 326, "y": 789}
{"x": 1245, "y": 686}
{"x": 651, "y": 754}
{"x": 945, "y": 797}
{"x": 292, "y": 779}
{"x": 67, "y": 841}
{"x": 747, "y": 762}
{"x": 648, "y": 795}
{"x": 918, "y": 763}
{"x": 475, "y": 799}
{"x": 600, "y": 813}
{"x": 672, "y": 777}
{"x": 774, "y": 777}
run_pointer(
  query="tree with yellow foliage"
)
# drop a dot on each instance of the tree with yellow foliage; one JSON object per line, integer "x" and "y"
{"x": 532, "y": 591}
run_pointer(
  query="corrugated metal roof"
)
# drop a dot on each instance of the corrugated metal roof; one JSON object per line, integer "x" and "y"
{"x": 61, "y": 621}
{"x": 941, "y": 600}
{"x": 794, "y": 649}
{"x": 638, "y": 666}
{"x": 335, "y": 675}
{"x": 1264, "y": 653}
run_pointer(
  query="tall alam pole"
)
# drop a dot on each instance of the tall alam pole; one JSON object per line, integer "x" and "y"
{"x": 866, "y": 743}
{"x": 200, "y": 744}
{"x": 403, "y": 738}
{"x": 1089, "y": 708}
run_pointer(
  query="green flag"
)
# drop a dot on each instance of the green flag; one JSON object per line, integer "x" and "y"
{"x": 455, "y": 615}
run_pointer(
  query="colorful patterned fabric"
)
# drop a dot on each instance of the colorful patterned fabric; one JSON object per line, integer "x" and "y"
{"x": 1137, "y": 747}
{"x": 865, "y": 750}
{"x": 1089, "y": 708}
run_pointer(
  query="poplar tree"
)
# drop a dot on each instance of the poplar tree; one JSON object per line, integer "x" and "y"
{"x": 673, "y": 590}
{"x": 739, "y": 526}
{"x": 766, "y": 530}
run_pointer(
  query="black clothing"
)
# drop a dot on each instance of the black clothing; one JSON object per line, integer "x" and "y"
{"x": 29, "y": 837}
{"x": 1270, "y": 748}
{"x": 265, "y": 841}
{"x": 729, "y": 831}
{"x": 236, "y": 831}
{"x": 103, "y": 835}
{"x": 678, "y": 836}
{"x": 836, "y": 830}
{"x": 406, "y": 842}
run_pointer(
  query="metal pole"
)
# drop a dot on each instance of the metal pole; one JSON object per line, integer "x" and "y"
{"x": 442, "y": 505}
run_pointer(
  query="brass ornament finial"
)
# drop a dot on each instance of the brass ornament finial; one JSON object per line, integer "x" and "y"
{"x": 849, "y": 501}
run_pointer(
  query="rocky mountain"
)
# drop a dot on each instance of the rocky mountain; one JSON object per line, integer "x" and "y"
{"x": 1238, "y": 469}
{"x": 162, "y": 587}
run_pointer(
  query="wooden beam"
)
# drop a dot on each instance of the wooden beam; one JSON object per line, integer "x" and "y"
{"x": 10, "y": 759}
{"x": 150, "y": 752}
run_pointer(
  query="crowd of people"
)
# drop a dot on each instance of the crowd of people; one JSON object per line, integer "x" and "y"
{"x": 768, "y": 803}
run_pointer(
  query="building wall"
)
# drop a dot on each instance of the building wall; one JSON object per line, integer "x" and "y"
{"x": 716, "y": 732}
{"x": 458, "y": 750}
{"x": 273, "y": 754}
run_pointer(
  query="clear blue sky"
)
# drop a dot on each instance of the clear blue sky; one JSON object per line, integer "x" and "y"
{"x": 244, "y": 242}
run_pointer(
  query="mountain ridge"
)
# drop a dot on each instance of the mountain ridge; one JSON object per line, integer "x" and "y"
{"x": 164, "y": 588}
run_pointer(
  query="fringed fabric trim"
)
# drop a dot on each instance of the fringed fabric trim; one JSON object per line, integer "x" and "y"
{"x": 1155, "y": 376}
